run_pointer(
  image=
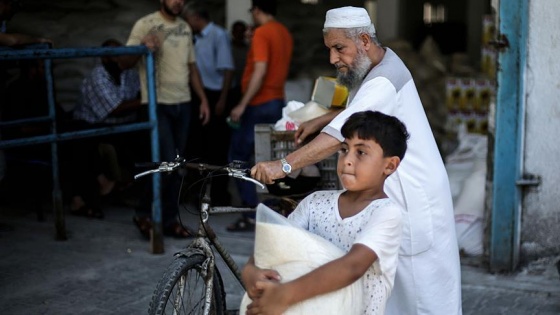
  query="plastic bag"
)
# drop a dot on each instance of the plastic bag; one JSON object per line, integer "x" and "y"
{"x": 293, "y": 252}
{"x": 286, "y": 122}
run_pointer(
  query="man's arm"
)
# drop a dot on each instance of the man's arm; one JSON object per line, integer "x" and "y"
{"x": 226, "y": 86}
{"x": 125, "y": 107}
{"x": 257, "y": 77}
{"x": 337, "y": 274}
{"x": 314, "y": 125}
{"x": 199, "y": 90}
{"x": 20, "y": 39}
{"x": 224, "y": 62}
{"x": 376, "y": 94}
{"x": 318, "y": 149}
{"x": 151, "y": 41}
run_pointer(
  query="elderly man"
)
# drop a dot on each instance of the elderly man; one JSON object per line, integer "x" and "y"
{"x": 428, "y": 273}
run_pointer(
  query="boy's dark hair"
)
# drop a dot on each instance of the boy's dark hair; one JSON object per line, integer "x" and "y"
{"x": 388, "y": 131}
{"x": 267, "y": 6}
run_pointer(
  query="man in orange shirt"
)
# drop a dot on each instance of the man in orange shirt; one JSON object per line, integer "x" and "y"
{"x": 266, "y": 70}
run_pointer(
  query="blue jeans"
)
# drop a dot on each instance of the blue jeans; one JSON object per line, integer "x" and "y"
{"x": 243, "y": 142}
{"x": 173, "y": 129}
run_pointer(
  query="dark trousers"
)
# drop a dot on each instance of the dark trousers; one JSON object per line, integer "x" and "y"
{"x": 173, "y": 129}
{"x": 243, "y": 142}
{"x": 210, "y": 143}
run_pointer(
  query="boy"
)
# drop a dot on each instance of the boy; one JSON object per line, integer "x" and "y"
{"x": 361, "y": 220}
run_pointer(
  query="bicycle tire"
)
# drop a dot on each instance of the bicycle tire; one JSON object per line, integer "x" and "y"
{"x": 167, "y": 298}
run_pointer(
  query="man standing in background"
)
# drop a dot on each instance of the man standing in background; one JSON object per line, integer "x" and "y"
{"x": 215, "y": 63}
{"x": 170, "y": 38}
{"x": 266, "y": 71}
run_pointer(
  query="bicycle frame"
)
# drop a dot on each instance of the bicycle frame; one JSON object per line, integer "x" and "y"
{"x": 206, "y": 238}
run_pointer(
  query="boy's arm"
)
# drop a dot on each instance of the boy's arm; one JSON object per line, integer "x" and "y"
{"x": 337, "y": 274}
{"x": 251, "y": 274}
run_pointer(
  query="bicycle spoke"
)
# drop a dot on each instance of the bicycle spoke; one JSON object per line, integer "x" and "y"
{"x": 187, "y": 296}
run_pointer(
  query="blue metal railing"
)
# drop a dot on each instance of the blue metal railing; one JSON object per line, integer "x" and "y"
{"x": 43, "y": 51}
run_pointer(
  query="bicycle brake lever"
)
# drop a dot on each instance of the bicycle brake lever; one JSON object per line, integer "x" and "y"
{"x": 247, "y": 178}
{"x": 145, "y": 173}
{"x": 163, "y": 167}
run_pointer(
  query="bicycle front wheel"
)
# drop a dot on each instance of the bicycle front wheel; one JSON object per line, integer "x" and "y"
{"x": 182, "y": 289}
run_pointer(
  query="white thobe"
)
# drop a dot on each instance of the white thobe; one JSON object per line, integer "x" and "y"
{"x": 428, "y": 279}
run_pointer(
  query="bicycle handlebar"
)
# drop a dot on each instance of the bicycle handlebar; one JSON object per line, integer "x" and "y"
{"x": 167, "y": 167}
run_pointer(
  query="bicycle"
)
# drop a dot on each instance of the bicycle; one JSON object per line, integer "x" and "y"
{"x": 192, "y": 283}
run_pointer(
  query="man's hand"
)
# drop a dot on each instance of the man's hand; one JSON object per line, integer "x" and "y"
{"x": 314, "y": 125}
{"x": 204, "y": 112}
{"x": 308, "y": 128}
{"x": 267, "y": 172}
{"x": 237, "y": 112}
{"x": 274, "y": 299}
{"x": 152, "y": 41}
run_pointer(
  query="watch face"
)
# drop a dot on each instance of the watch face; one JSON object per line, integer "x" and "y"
{"x": 286, "y": 168}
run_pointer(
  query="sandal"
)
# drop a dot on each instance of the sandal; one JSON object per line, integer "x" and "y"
{"x": 85, "y": 211}
{"x": 177, "y": 230}
{"x": 242, "y": 225}
{"x": 144, "y": 225}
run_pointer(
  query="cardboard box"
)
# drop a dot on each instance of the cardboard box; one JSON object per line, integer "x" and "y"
{"x": 328, "y": 93}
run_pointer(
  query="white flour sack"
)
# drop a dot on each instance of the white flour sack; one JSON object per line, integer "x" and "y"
{"x": 293, "y": 252}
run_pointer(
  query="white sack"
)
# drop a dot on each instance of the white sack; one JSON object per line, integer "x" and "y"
{"x": 466, "y": 168}
{"x": 293, "y": 252}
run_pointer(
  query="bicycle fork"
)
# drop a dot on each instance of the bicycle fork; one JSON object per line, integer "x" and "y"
{"x": 201, "y": 247}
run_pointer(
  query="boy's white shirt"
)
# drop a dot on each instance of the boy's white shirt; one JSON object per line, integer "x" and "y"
{"x": 378, "y": 226}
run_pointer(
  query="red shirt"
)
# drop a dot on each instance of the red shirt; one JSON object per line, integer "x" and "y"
{"x": 273, "y": 44}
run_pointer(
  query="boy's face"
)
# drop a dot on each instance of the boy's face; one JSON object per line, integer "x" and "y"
{"x": 361, "y": 165}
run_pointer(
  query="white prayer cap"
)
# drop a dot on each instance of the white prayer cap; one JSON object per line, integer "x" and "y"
{"x": 347, "y": 17}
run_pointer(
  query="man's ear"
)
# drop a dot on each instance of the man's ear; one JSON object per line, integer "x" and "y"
{"x": 392, "y": 165}
{"x": 365, "y": 40}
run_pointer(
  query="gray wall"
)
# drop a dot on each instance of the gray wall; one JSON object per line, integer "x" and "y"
{"x": 540, "y": 229}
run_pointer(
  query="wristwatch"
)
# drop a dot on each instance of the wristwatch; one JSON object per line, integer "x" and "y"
{"x": 286, "y": 167}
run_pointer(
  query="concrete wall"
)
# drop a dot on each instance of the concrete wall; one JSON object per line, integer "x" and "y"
{"x": 72, "y": 23}
{"x": 87, "y": 23}
{"x": 540, "y": 231}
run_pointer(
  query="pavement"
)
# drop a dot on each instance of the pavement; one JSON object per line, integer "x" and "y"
{"x": 105, "y": 267}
